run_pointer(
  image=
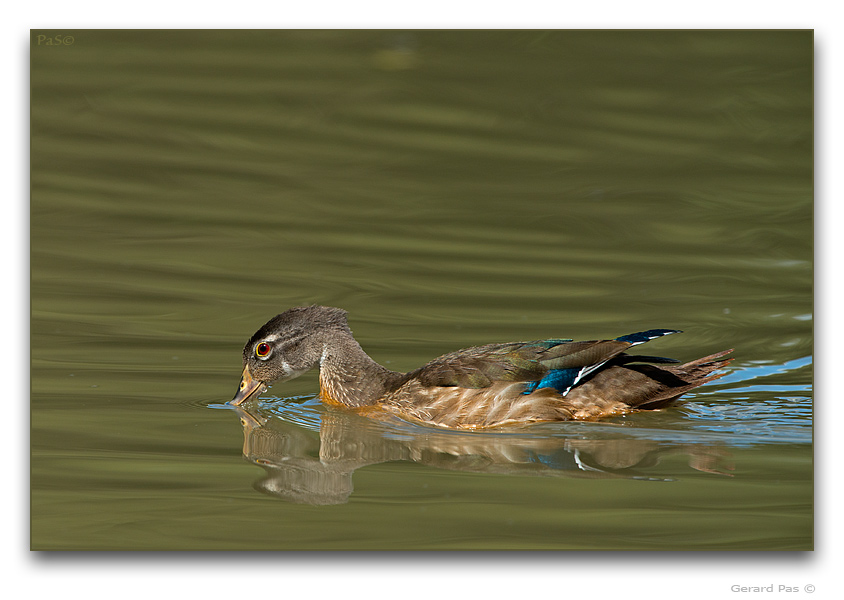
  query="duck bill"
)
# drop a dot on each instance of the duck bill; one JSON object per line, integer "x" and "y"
{"x": 249, "y": 388}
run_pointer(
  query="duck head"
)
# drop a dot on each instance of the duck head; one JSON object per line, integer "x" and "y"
{"x": 287, "y": 346}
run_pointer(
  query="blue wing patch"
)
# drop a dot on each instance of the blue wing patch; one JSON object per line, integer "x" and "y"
{"x": 561, "y": 380}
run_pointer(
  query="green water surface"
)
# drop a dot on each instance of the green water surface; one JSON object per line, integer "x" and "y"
{"x": 447, "y": 188}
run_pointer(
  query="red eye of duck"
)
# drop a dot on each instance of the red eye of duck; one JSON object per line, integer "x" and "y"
{"x": 262, "y": 350}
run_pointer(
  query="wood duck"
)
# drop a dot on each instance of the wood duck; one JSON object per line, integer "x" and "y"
{"x": 476, "y": 388}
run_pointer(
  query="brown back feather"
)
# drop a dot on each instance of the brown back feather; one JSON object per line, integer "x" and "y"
{"x": 479, "y": 367}
{"x": 615, "y": 389}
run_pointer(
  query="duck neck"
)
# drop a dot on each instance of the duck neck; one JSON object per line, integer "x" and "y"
{"x": 348, "y": 376}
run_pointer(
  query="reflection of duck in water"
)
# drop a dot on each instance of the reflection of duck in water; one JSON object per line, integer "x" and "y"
{"x": 305, "y": 468}
{"x": 486, "y": 386}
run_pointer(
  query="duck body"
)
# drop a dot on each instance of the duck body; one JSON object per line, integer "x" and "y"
{"x": 482, "y": 387}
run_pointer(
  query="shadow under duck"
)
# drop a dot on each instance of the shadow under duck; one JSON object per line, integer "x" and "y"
{"x": 486, "y": 386}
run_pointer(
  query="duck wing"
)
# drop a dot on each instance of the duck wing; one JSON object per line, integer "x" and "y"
{"x": 557, "y": 363}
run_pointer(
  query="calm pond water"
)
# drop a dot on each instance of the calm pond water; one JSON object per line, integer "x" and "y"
{"x": 448, "y": 189}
